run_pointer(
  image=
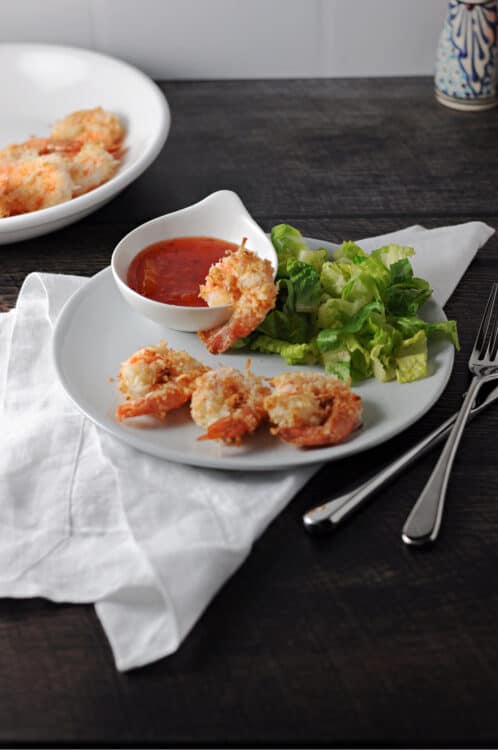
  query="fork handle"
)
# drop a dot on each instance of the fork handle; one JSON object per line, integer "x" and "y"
{"x": 423, "y": 523}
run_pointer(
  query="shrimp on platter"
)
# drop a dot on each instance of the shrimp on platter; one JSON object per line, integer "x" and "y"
{"x": 31, "y": 184}
{"x": 90, "y": 167}
{"x": 228, "y": 404}
{"x": 34, "y": 147}
{"x": 89, "y": 164}
{"x": 18, "y": 152}
{"x": 82, "y": 152}
{"x": 155, "y": 380}
{"x": 91, "y": 126}
{"x": 312, "y": 409}
{"x": 245, "y": 281}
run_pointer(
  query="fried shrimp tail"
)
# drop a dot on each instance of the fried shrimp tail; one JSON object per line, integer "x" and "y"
{"x": 157, "y": 403}
{"x": 231, "y": 429}
{"x": 228, "y": 404}
{"x": 312, "y": 409}
{"x": 245, "y": 281}
{"x": 155, "y": 380}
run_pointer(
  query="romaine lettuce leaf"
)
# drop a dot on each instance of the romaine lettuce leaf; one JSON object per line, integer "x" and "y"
{"x": 287, "y": 241}
{"x": 390, "y": 254}
{"x": 289, "y": 245}
{"x": 335, "y": 276}
{"x": 298, "y": 296}
{"x": 243, "y": 343}
{"x": 315, "y": 258}
{"x": 444, "y": 329}
{"x": 349, "y": 251}
{"x": 411, "y": 359}
{"x": 401, "y": 272}
{"x": 307, "y": 288}
{"x": 375, "y": 270}
{"x": 383, "y": 365}
{"x": 288, "y": 326}
{"x": 361, "y": 289}
{"x": 329, "y": 337}
{"x": 361, "y": 364}
{"x": 406, "y": 293}
{"x": 337, "y": 362}
{"x": 294, "y": 354}
{"x": 371, "y": 341}
{"x": 354, "y": 337}
{"x": 334, "y": 313}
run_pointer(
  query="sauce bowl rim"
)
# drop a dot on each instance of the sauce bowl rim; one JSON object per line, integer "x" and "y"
{"x": 156, "y": 220}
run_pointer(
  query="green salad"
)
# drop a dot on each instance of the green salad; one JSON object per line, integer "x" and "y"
{"x": 357, "y": 314}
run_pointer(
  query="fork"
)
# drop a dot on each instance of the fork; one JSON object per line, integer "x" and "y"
{"x": 423, "y": 523}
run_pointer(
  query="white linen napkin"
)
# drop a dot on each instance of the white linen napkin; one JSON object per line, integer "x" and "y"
{"x": 86, "y": 518}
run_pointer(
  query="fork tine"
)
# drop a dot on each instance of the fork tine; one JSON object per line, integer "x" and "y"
{"x": 493, "y": 347}
{"x": 484, "y": 327}
{"x": 491, "y": 337}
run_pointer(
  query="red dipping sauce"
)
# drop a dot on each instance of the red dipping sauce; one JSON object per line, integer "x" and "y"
{"x": 171, "y": 271}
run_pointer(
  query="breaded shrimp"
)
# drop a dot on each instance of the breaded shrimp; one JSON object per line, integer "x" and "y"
{"x": 243, "y": 280}
{"x": 35, "y": 183}
{"x": 33, "y": 175}
{"x": 155, "y": 380}
{"x": 312, "y": 409}
{"x": 89, "y": 164}
{"x": 90, "y": 126}
{"x": 229, "y": 404}
{"x": 34, "y": 147}
{"x": 17, "y": 152}
{"x": 90, "y": 167}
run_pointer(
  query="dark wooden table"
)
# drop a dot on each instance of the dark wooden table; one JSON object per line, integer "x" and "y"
{"x": 345, "y": 640}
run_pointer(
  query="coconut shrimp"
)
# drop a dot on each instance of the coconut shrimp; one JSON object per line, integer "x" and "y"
{"x": 17, "y": 152}
{"x": 89, "y": 164}
{"x": 90, "y": 167}
{"x": 312, "y": 409}
{"x": 228, "y": 404}
{"x": 82, "y": 152}
{"x": 155, "y": 380}
{"x": 33, "y": 184}
{"x": 34, "y": 147}
{"x": 245, "y": 281}
{"x": 90, "y": 126}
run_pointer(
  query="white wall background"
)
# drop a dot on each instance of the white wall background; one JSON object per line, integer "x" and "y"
{"x": 196, "y": 39}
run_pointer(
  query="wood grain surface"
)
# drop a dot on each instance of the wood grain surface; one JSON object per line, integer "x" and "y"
{"x": 350, "y": 640}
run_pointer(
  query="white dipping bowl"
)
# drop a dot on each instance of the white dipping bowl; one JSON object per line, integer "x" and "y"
{"x": 222, "y": 215}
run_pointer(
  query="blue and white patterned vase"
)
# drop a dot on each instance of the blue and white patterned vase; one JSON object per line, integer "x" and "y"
{"x": 465, "y": 68}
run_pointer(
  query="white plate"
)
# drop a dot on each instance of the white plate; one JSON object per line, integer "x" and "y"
{"x": 47, "y": 82}
{"x": 97, "y": 330}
